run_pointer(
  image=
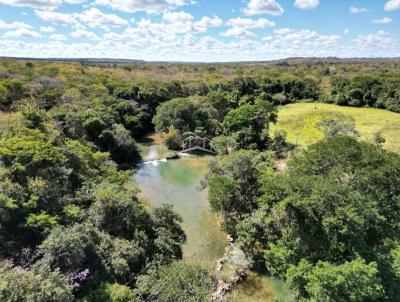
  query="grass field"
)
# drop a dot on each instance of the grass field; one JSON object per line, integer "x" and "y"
{"x": 299, "y": 120}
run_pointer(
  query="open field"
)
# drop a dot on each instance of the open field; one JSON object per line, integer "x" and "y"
{"x": 299, "y": 120}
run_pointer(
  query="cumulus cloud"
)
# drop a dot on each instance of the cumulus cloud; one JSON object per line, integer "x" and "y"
{"x": 237, "y": 32}
{"x": 22, "y": 32}
{"x": 177, "y": 17}
{"x": 258, "y": 7}
{"x": 94, "y": 18}
{"x": 357, "y": 10}
{"x": 385, "y": 20}
{"x": 13, "y": 25}
{"x": 306, "y": 4}
{"x": 75, "y": 1}
{"x": 83, "y": 34}
{"x": 392, "y": 5}
{"x": 250, "y": 23}
{"x": 57, "y": 18}
{"x": 207, "y": 22}
{"x": 47, "y": 29}
{"x": 149, "y": 6}
{"x": 380, "y": 43}
{"x": 42, "y": 4}
{"x": 58, "y": 37}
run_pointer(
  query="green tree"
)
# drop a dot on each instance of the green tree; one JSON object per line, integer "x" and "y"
{"x": 184, "y": 114}
{"x": 21, "y": 285}
{"x": 349, "y": 282}
{"x": 178, "y": 281}
{"x": 249, "y": 124}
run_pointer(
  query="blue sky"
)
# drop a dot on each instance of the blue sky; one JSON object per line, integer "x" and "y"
{"x": 199, "y": 30}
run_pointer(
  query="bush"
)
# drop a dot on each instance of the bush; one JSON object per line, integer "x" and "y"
{"x": 21, "y": 285}
{"x": 174, "y": 140}
{"x": 178, "y": 281}
{"x": 111, "y": 293}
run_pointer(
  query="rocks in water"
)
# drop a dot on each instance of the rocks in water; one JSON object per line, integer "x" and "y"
{"x": 225, "y": 286}
{"x": 173, "y": 156}
{"x": 230, "y": 270}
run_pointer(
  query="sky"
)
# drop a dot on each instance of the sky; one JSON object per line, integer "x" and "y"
{"x": 199, "y": 30}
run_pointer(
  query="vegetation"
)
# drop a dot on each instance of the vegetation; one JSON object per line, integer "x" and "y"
{"x": 72, "y": 227}
{"x": 331, "y": 217}
{"x": 300, "y": 121}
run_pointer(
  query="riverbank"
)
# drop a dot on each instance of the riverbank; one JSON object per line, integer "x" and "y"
{"x": 177, "y": 182}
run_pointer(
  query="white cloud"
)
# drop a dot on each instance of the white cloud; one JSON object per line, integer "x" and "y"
{"x": 58, "y": 37}
{"x": 377, "y": 44}
{"x": 250, "y": 23}
{"x": 57, "y": 18}
{"x": 75, "y": 1}
{"x": 144, "y": 42}
{"x": 306, "y": 4}
{"x": 346, "y": 31}
{"x": 237, "y": 32}
{"x": 207, "y": 22}
{"x": 13, "y": 25}
{"x": 47, "y": 29}
{"x": 357, "y": 10}
{"x": 22, "y": 32}
{"x": 258, "y": 7}
{"x": 282, "y": 31}
{"x": 177, "y": 17}
{"x": 94, "y": 18}
{"x": 385, "y": 20}
{"x": 42, "y": 4}
{"x": 392, "y": 5}
{"x": 149, "y": 6}
{"x": 83, "y": 34}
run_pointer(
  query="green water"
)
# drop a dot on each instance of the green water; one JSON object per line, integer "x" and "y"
{"x": 177, "y": 182}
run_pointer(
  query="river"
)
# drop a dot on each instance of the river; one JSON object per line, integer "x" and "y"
{"x": 177, "y": 182}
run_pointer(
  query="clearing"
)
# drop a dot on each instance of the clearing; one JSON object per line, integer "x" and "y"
{"x": 300, "y": 120}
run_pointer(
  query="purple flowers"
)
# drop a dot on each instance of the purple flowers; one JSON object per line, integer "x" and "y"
{"x": 77, "y": 278}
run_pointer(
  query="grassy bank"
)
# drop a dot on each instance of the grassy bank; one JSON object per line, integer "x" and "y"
{"x": 300, "y": 120}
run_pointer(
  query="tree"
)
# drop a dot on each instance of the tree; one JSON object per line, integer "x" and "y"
{"x": 233, "y": 184}
{"x": 111, "y": 292}
{"x": 249, "y": 124}
{"x": 21, "y": 285}
{"x": 336, "y": 203}
{"x": 178, "y": 281}
{"x": 349, "y": 282}
{"x": 223, "y": 145}
{"x": 183, "y": 114}
{"x": 332, "y": 128}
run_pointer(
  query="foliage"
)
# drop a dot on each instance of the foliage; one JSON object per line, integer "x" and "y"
{"x": 337, "y": 203}
{"x": 330, "y": 224}
{"x": 111, "y": 293}
{"x": 300, "y": 120}
{"x": 178, "y": 281}
{"x": 233, "y": 184}
{"x": 174, "y": 140}
{"x": 183, "y": 114}
{"x": 21, "y": 285}
{"x": 332, "y": 128}
{"x": 249, "y": 124}
{"x": 350, "y": 281}
{"x": 223, "y": 145}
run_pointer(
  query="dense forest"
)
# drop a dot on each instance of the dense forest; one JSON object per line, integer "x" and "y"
{"x": 72, "y": 224}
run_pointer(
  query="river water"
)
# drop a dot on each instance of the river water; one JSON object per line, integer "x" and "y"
{"x": 177, "y": 182}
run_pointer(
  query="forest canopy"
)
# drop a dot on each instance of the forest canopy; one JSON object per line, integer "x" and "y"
{"x": 73, "y": 226}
